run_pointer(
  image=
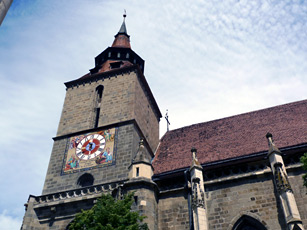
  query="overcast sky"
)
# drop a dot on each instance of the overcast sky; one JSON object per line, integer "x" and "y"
{"x": 204, "y": 60}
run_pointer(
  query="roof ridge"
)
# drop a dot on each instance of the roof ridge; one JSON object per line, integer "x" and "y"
{"x": 237, "y": 115}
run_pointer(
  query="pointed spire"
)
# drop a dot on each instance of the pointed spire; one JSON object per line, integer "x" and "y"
{"x": 123, "y": 29}
{"x": 141, "y": 155}
{"x": 195, "y": 162}
{"x": 272, "y": 147}
{"x": 122, "y": 38}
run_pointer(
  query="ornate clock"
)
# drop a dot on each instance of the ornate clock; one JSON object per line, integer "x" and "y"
{"x": 90, "y": 147}
{"x": 90, "y": 150}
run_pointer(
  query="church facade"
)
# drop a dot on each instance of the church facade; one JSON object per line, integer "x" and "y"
{"x": 224, "y": 174}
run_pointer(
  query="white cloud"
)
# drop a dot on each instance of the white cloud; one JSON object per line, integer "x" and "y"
{"x": 9, "y": 223}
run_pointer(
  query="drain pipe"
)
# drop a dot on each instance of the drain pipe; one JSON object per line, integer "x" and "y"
{"x": 186, "y": 176}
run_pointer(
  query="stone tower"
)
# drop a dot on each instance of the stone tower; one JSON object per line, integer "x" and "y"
{"x": 105, "y": 115}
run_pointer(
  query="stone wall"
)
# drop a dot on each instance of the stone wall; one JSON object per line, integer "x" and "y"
{"x": 116, "y": 105}
{"x": 145, "y": 199}
{"x": 145, "y": 116}
{"x": 55, "y": 215}
{"x": 173, "y": 211}
{"x": 252, "y": 194}
{"x": 300, "y": 192}
{"x": 229, "y": 200}
{"x": 124, "y": 98}
{"x": 57, "y": 210}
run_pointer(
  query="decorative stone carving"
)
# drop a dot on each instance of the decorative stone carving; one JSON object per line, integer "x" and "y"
{"x": 281, "y": 179}
{"x": 198, "y": 195}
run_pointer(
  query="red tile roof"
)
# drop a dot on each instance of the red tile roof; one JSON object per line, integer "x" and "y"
{"x": 106, "y": 68}
{"x": 121, "y": 40}
{"x": 232, "y": 137}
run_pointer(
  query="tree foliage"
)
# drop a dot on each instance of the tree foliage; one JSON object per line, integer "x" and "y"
{"x": 304, "y": 161}
{"x": 109, "y": 214}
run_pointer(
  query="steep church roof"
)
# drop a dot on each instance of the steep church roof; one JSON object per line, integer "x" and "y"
{"x": 233, "y": 137}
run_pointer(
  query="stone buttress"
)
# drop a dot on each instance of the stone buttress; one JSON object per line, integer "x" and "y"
{"x": 283, "y": 187}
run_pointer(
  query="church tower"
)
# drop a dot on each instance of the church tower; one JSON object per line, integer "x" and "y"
{"x": 105, "y": 114}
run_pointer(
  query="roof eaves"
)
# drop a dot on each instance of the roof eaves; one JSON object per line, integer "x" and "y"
{"x": 98, "y": 76}
{"x": 258, "y": 155}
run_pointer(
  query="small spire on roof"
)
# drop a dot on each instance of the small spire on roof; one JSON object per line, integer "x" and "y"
{"x": 194, "y": 153}
{"x": 195, "y": 161}
{"x": 272, "y": 147}
{"x": 141, "y": 155}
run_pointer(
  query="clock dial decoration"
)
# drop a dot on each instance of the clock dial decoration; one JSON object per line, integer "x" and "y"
{"x": 90, "y": 150}
{"x": 90, "y": 147}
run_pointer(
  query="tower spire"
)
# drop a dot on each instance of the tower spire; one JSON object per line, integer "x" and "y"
{"x": 123, "y": 29}
{"x": 122, "y": 38}
{"x": 119, "y": 54}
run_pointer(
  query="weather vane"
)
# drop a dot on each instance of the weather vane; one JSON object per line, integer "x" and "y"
{"x": 167, "y": 121}
{"x": 125, "y": 14}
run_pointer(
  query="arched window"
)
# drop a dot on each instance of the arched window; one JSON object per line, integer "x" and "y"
{"x": 248, "y": 223}
{"x": 99, "y": 90}
{"x": 98, "y": 98}
{"x": 85, "y": 180}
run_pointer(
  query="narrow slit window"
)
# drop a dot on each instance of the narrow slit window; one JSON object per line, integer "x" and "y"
{"x": 99, "y": 91}
{"x": 137, "y": 171}
{"x": 135, "y": 200}
{"x": 97, "y": 117}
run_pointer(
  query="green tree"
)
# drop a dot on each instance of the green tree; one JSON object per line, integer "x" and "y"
{"x": 109, "y": 214}
{"x": 304, "y": 161}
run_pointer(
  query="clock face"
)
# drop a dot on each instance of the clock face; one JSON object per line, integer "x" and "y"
{"x": 90, "y": 147}
{"x": 90, "y": 150}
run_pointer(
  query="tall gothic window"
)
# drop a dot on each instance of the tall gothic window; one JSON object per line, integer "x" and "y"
{"x": 248, "y": 223}
{"x": 98, "y": 98}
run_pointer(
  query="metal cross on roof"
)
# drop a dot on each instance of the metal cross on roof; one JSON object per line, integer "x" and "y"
{"x": 167, "y": 121}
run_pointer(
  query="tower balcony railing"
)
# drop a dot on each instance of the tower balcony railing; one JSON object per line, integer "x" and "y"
{"x": 78, "y": 192}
